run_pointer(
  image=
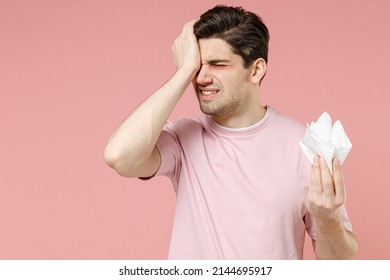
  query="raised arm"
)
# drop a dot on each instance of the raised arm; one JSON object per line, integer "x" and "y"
{"x": 131, "y": 149}
{"x": 325, "y": 197}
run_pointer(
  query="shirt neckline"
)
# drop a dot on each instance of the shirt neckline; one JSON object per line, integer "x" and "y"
{"x": 244, "y": 131}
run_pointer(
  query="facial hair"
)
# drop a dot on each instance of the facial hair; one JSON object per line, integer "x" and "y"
{"x": 225, "y": 104}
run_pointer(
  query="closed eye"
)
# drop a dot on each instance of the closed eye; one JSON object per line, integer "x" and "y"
{"x": 218, "y": 65}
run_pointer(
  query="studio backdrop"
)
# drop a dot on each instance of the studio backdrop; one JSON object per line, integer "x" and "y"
{"x": 71, "y": 71}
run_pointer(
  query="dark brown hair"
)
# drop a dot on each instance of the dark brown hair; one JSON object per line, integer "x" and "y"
{"x": 244, "y": 31}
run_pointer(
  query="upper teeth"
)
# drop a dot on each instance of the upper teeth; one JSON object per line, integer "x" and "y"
{"x": 208, "y": 92}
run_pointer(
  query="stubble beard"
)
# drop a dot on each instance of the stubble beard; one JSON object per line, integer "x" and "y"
{"x": 221, "y": 107}
{"x": 226, "y": 104}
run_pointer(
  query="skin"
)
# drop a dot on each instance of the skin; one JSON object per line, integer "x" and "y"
{"x": 211, "y": 65}
{"x": 325, "y": 197}
{"x": 235, "y": 103}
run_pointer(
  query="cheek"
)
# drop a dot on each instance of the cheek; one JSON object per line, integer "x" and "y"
{"x": 233, "y": 79}
{"x": 222, "y": 77}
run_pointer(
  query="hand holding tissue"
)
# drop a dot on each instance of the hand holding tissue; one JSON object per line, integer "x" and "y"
{"x": 326, "y": 141}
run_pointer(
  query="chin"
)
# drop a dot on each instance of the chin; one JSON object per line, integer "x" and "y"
{"x": 208, "y": 111}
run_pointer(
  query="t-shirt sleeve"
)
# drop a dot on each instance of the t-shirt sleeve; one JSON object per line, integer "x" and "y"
{"x": 169, "y": 148}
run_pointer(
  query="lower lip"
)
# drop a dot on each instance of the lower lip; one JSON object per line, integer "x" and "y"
{"x": 208, "y": 97}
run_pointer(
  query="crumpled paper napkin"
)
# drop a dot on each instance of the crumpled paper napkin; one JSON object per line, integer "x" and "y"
{"x": 326, "y": 141}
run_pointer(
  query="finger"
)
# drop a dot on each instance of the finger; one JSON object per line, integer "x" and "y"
{"x": 189, "y": 26}
{"x": 338, "y": 179}
{"x": 315, "y": 178}
{"x": 326, "y": 179}
{"x": 193, "y": 21}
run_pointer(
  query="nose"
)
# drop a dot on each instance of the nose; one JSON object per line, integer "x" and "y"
{"x": 203, "y": 77}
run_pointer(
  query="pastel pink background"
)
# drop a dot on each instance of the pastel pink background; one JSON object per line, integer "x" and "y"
{"x": 70, "y": 71}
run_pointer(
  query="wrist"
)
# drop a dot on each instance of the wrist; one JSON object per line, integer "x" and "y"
{"x": 328, "y": 223}
{"x": 187, "y": 72}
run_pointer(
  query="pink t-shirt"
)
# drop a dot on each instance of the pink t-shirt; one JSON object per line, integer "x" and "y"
{"x": 240, "y": 192}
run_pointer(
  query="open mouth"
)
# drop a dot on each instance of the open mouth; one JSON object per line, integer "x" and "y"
{"x": 208, "y": 94}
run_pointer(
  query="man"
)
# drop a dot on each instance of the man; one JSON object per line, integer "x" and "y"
{"x": 244, "y": 189}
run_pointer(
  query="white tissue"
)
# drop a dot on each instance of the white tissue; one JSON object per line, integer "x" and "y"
{"x": 323, "y": 140}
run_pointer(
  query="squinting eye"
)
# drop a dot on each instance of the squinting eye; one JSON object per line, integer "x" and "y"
{"x": 219, "y": 65}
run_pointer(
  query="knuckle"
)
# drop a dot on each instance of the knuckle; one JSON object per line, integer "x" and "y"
{"x": 328, "y": 205}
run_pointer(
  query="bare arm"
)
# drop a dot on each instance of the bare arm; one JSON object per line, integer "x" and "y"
{"x": 325, "y": 197}
{"x": 131, "y": 148}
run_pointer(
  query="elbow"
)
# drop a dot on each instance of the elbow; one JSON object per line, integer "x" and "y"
{"x": 118, "y": 162}
{"x": 110, "y": 157}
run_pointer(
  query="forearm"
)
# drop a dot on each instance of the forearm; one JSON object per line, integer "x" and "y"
{"x": 333, "y": 241}
{"x": 133, "y": 141}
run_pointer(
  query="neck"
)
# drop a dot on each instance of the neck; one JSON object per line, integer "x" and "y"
{"x": 245, "y": 119}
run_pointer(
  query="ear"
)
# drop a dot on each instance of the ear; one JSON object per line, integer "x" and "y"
{"x": 258, "y": 70}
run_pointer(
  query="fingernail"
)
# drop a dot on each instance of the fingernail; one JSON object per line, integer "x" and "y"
{"x": 336, "y": 162}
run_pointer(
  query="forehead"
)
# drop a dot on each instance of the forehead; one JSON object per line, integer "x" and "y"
{"x": 216, "y": 49}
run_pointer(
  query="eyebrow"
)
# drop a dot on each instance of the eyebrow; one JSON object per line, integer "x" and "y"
{"x": 217, "y": 60}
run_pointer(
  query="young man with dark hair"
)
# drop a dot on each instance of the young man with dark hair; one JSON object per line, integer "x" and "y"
{"x": 244, "y": 188}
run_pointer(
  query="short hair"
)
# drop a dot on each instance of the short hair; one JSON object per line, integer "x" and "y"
{"x": 244, "y": 31}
